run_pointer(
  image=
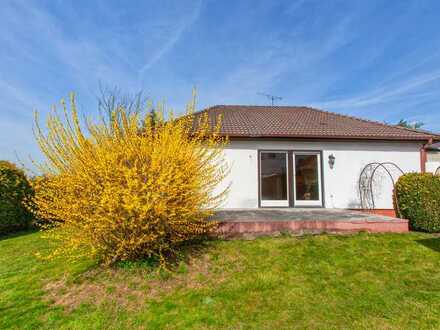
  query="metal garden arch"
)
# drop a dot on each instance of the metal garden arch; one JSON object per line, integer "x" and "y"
{"x": 366, "y": 180}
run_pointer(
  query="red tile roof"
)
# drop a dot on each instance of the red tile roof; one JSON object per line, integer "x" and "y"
{"x": 305, "y": 122}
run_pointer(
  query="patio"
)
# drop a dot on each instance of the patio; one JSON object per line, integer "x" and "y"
{"x": 240, "y": 221}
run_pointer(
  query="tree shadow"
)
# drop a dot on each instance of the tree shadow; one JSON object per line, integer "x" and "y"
{"x": 184, "y": 253}
{"x": 430, "y": 243}
{"x": 17, "y": 234}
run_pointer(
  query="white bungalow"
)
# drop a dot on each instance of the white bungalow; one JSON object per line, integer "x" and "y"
{"x": 282, "y": 156}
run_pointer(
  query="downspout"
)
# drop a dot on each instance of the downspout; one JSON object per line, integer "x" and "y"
{"x": 423, "y": 155}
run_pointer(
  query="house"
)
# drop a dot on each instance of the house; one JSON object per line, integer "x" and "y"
{"x": 433, "y": 158}
{"x": 296, "y": 157}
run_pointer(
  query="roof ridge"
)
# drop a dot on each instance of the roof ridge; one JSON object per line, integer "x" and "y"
{"x": 204, "y": 110}
{"x": 257, "y": 106}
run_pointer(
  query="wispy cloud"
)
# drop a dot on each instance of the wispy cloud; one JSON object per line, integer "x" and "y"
{"x": 287, "y": 53}
{"x": 362, "y": 58}
{"x": 50, "y": 49}
{"x": 80, "y": 62}
{"x": 173, "y": 39}
{"x": 386, "y": 94}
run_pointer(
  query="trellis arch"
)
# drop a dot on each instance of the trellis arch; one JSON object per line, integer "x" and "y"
{"x": 366, "y": 180}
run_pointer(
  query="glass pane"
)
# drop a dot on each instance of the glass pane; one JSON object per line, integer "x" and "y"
{"x": 306, "y": 177}
{"x": 273, "y": 176}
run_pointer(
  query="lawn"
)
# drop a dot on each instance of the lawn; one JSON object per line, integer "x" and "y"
{"x": 354, "y": 281}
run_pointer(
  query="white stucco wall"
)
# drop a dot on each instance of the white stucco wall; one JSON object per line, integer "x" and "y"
{"x": 433, "y": 161}
{"x": 432, "y": 166}
{"x": 340, "y": 183}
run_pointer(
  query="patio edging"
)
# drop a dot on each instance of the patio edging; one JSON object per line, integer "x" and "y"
{"x": 315, "y": 226}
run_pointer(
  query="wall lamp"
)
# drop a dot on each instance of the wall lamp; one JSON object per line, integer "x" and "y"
{"x": 331, "y": 160}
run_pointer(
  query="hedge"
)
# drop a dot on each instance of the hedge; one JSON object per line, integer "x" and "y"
{"x": 15, "y": 191}
{"x": 418, "y": 196}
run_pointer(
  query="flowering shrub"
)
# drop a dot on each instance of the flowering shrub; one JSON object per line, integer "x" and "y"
{"x": 15, "y": 192}
{"x": 129, "y": 187}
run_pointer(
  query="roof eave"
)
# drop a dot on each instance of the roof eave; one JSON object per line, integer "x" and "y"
{"x": 334, "y": 137}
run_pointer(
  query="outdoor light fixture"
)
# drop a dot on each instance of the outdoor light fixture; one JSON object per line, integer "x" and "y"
{"x": 331, "y": 160}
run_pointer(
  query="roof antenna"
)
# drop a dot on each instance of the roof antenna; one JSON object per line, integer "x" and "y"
{"x": 272, "y": 98}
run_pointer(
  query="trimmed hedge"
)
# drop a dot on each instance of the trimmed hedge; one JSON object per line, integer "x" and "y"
{"x": 15, "y": 191}
{"x": 418, "y": 195}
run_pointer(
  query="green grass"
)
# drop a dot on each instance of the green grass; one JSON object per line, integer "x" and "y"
{"x": 359, "y": 281}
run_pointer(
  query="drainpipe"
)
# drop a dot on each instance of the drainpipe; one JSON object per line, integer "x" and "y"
{"x": 423, "y": 155}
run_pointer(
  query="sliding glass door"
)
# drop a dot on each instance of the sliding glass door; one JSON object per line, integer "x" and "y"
{"x": 290, "y": 179}
{"x": 273, "y": 179}
{"x": 307, "y": 179}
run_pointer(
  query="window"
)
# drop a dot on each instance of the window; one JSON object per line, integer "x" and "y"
{"x": 306, "y": 177}
{"x": 273, "y": 176}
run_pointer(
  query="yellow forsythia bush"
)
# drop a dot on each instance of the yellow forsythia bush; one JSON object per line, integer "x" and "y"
{"x": 128, "y": 187}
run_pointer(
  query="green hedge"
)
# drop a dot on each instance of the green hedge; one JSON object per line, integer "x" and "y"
{"x": 418, "y": 196}
{"x": 15, "y": 191}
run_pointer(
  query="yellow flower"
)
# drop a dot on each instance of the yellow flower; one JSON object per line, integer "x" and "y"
{"x": 127, "y": 188}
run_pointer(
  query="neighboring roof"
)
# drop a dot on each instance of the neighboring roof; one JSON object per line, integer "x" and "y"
{"x": 305, "y": 122}
{"x": 435, "y": 146}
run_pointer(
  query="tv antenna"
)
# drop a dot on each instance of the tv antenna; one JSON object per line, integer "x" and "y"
{"x": 272, "y": 98}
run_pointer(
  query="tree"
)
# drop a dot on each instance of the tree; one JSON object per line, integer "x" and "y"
{"x": 112, "y": 99}
{"x": 413, "y": 125}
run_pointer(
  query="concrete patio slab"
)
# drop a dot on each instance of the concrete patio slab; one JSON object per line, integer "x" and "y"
{"x": 305, "y": 220}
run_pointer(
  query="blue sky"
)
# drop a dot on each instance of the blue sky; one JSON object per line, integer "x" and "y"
{"x": 374, "y": 59}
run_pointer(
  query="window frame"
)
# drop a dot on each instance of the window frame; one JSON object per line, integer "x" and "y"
{"x": 273, "y": 203}
{"x": 290, "y": 179}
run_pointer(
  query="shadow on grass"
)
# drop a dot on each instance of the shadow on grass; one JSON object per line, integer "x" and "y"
{"x": 17, "y": 234}
{"x": 430, "y": 243}
{"x": 176, "y": 263}
{"x": 187, "y": 251}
